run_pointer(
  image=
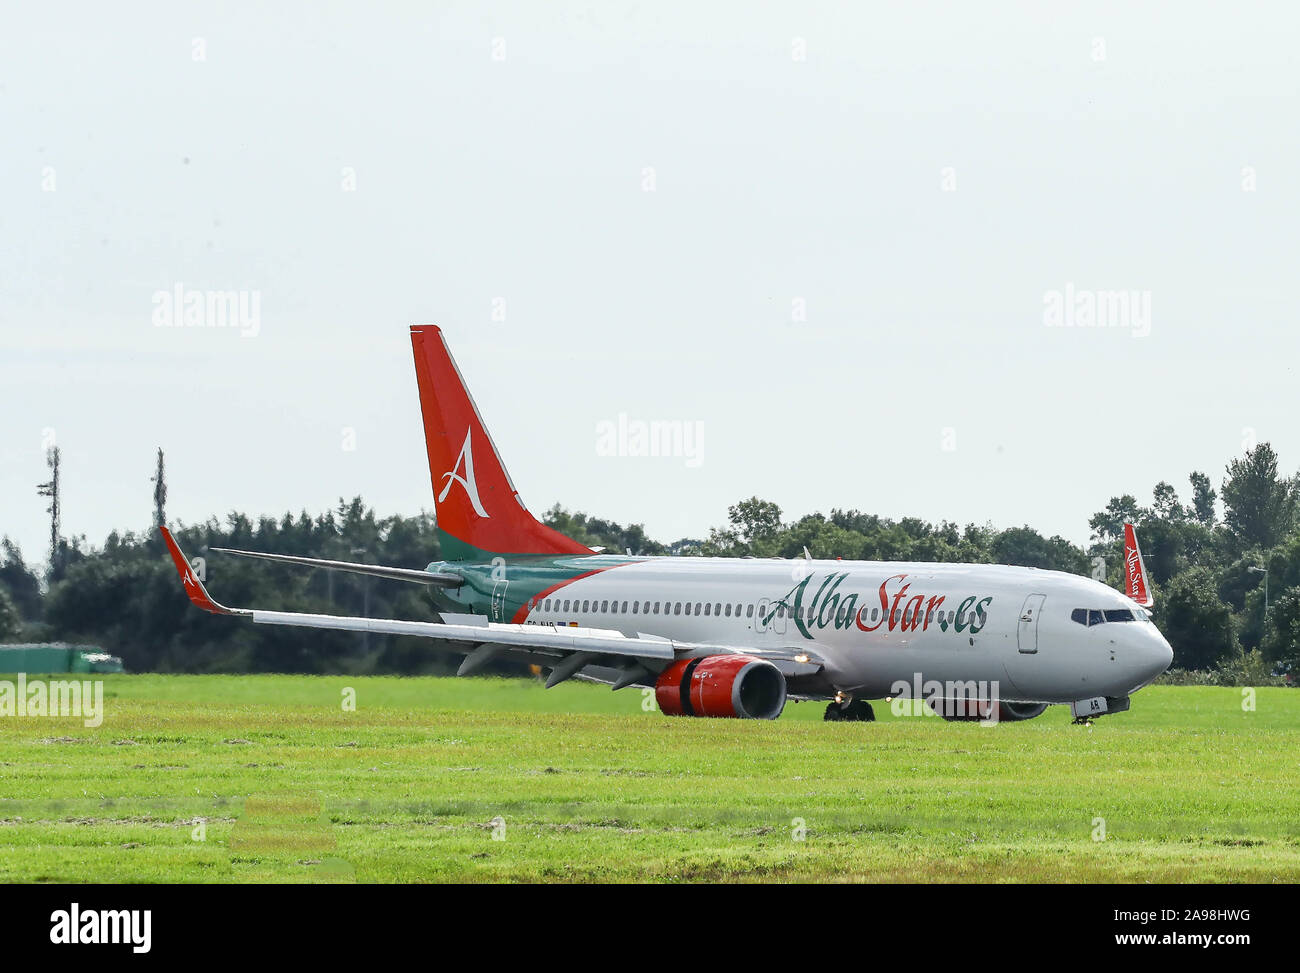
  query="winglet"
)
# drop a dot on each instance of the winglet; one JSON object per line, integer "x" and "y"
{"x": 1135, "y": 570}
{"x": 193, "y": 586}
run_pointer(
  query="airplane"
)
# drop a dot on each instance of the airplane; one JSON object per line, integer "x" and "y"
{"x": 739, "y": 637}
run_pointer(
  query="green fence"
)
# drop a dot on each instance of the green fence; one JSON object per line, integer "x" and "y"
{"x": 53, "y": 657}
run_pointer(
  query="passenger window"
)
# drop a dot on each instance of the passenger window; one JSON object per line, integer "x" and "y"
{"x": 717, "y": 609}
{"x": 677, "y": 609}
{"x": 566, "y": 604}
{"x": 708, "y": 609}
{"x": 697, "y": 608}
{"x": 749, "y": 611}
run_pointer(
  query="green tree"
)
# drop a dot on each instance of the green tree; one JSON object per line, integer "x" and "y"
{"x": 1203, "y": 497}
{"x": 1259, "y": 505}
{"x": 1282, "y": 635}
{"x": 1197, "y": 623}
{"x": 1108, "y": 524}
{"x": 1025, "y": 546}
{"x": 23, "y": 585}
{"x": 1165, "y": 503}
{"x": 9, "y": 621}
{"x": 755, "y": 519}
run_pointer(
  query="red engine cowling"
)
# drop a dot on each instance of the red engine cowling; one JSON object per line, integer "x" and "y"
{"x": 722, "y": 685}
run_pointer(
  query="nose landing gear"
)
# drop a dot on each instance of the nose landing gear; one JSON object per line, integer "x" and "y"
{"x": 1085, "y": 711}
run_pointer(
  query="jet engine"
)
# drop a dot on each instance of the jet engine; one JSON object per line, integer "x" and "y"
{"x": 722, "y": 685}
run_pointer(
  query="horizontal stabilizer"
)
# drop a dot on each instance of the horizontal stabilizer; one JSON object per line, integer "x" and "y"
{"x": 375, "y": 570}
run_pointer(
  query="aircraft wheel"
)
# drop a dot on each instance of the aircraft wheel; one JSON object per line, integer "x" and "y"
{"x": 860, "y": 711}
{"x": 857, "y": 711}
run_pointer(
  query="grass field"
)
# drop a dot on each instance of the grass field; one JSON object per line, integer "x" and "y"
{"x": 269, "y": 778}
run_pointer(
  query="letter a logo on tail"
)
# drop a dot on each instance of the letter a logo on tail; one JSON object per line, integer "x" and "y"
{"x": 465, "y": 531}
{"x": 467, "y": 481}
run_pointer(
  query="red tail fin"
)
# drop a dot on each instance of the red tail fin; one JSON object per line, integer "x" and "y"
{"x": 1135, "y": 570}
{"x": 476, "y": 503}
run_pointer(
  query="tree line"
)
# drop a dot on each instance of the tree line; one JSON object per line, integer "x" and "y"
{"x": 1208, "y": 573}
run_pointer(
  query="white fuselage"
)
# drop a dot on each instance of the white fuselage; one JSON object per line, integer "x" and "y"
{"x": 876, "y": 624}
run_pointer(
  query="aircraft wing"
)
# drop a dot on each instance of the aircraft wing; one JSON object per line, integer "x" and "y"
{"x": 376, "y": 570}
{"x": 566, "y": 651}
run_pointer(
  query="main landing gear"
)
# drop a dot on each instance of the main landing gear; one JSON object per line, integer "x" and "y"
{"x": 850, "y": 711}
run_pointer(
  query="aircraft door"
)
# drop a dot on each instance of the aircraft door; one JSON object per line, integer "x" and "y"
{"x": 499, "y": 601}
{"x": 778, "y": 620}
{"x": 1027, "y": 627}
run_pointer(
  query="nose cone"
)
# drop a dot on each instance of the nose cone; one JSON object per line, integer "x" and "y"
{"x": 1154, "y": 655}
{"x": 1166, "y": 655}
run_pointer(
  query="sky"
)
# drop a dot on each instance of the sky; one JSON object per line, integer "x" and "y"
{"x": 851, "y": 249}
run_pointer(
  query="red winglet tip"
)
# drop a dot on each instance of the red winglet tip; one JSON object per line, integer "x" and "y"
{"x": 193, "y": 586}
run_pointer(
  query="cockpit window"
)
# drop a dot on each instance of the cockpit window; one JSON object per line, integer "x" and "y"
{"x": 1094, "y": 616}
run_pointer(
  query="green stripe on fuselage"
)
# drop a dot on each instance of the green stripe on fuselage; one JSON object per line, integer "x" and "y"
{"x": 498, "y": 585}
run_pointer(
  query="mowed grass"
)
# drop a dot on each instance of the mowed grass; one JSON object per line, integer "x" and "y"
{"x": 270, "y": 778}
